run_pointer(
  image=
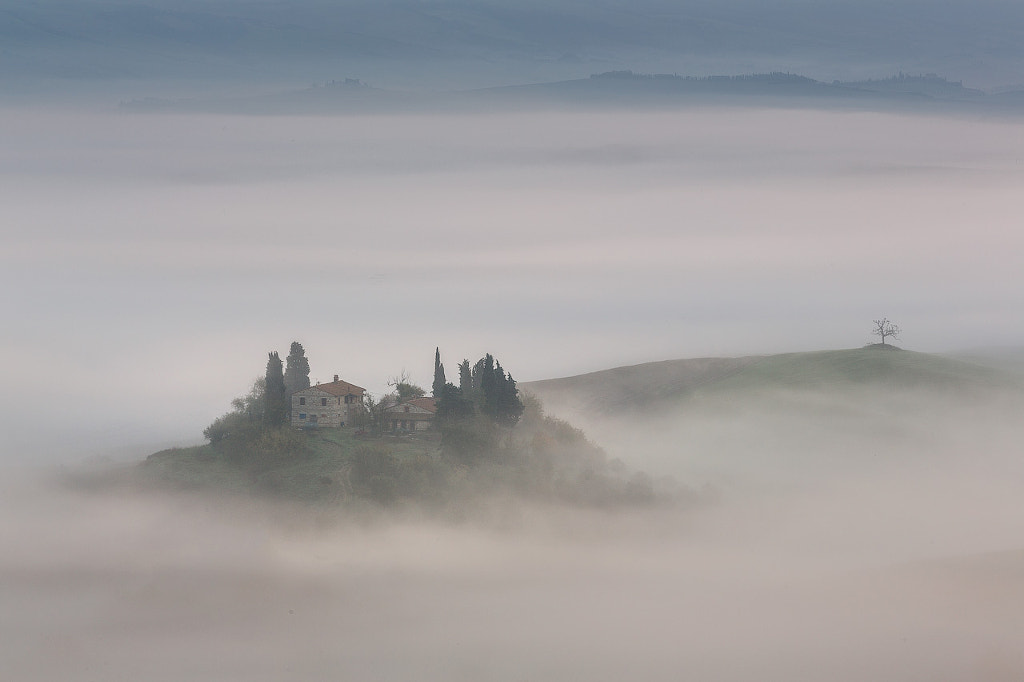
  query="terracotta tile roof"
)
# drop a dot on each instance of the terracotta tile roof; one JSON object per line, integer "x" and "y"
{"x": 426, "y": 402}
{"x": 339, "y": 388}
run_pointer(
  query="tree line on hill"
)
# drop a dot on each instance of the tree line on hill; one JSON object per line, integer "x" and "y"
{"x": 474, "y": 416}
{"x": 491, "y": 439}
{"x": 494, "y": 441}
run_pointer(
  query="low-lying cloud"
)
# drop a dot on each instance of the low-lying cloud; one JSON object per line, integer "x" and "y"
{"x": 838, "y": 553}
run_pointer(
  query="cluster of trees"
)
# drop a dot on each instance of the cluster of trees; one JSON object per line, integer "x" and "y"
{"x": 255, "y": 428}
{"x": 280, "y": 381}
{"x": 475, "y": 416}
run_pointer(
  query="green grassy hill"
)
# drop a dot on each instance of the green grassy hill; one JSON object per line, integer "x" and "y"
{"x": 650, "y": 385}
{"x": 321, "y": 472}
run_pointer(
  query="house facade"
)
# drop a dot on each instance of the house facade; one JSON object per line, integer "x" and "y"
{"x": 415, "y": 414}
{"x": 333, "y": 404}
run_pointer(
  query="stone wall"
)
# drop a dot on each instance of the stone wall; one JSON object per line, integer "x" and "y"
{"x": 331, "y": 414}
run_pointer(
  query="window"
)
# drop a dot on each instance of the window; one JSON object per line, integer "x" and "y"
{"x": 302, "y": 401}
{"x": 302, "y": 415}
{"x": 323, "y": 402}
{"x": 406, "y": 408}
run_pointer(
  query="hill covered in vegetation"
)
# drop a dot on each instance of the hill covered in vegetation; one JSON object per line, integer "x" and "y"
{"x": 486, "y": 443}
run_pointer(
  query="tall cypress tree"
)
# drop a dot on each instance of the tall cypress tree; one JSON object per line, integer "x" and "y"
{"x": 275, "y": 406}
{"x": 439, "y": 380}
{"x": 510, "y": 407}
{"x": 477, "y": 377}
{"x": 488, "y": 387}
{"x": 465, "y": 379}
{"x": 296, "y": 373}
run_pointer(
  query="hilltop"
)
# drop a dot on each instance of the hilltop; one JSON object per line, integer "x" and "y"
{"x": 794, "y": 419}
{"x": 663, "y": 385}
{"x": 546, "y": 460}
{"x": 332, "y": 443}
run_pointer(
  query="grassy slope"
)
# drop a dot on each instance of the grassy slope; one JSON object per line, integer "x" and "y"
{"x": 861, "y": 366}
{"x": 638, "y": 385}
{"x": 318, "y": 474}
{"x": 667, "y": 383}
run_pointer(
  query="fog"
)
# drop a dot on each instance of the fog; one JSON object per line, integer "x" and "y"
{"x": 151, "y": 261}
{"x": 849, "y": 537}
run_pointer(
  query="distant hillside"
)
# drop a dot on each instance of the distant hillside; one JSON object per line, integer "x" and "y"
{"x": 613, "y": 89}
{"x": 628, "y": 88}
{"x": 929, "y": 85}
{"x": 652, "y": 385}
{"x": 637, "y": 386}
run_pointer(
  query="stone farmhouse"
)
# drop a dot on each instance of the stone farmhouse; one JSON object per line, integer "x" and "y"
{"x": 332, "y": 404}
{"x": 415, "y": 414}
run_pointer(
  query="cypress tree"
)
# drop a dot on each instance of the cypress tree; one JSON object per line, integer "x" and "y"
{"x": 452, "y": 406}
{"x": 489, "y": 387}
{"x": 275, "y": 406}
{"x": 477, "y": 377}
{"x": 296, "y": 373}
{"x": 439, "y": 380}
{"x": 465, "y": 378}
{"x": 471, "y": 417}
{"x": 510, "y": 407}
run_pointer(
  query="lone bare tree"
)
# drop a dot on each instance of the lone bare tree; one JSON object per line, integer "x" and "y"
{"x": 885, "y": 328}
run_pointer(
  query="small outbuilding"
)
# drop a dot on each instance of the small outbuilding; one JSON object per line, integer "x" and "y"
{"x": 414, "y": 414}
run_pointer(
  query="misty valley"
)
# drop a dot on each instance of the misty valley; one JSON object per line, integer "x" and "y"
{"x": 676, "y": 224}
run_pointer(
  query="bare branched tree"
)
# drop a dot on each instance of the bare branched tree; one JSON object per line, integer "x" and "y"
{"x": 885, "y": 328}
{"x": 404, "y": 388}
